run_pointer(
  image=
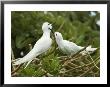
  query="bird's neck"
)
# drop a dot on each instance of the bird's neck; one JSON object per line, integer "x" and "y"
{"x": 59, "y": 41}
{"x": 46, "y": 34}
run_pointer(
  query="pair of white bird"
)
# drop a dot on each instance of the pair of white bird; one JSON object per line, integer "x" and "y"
{"x": 44, "y": 43}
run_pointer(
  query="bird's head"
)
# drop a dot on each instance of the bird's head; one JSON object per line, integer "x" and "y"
{"x": 46, "y": 27}
{"x": 58, "y": 36}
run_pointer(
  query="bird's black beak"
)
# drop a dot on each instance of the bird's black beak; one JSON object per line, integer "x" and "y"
{"x": 52, "y": 31}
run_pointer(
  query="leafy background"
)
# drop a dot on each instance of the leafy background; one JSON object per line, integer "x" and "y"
{"x": 80, "y": 27}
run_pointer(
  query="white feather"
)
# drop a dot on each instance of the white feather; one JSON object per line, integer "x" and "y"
{"x": 68, "y": 47}
{"x": 41, "y": 46}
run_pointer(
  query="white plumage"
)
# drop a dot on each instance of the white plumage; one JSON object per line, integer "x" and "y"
{"x": 41, "y": 46}
{"x": 68, "y": 47}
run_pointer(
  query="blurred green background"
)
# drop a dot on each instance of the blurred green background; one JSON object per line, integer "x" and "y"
{"x": 81, "y": 27}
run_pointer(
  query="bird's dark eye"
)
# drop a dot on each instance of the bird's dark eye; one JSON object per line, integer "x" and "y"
{"x": 48, "y": 24}
{"x": 56, "y": 34}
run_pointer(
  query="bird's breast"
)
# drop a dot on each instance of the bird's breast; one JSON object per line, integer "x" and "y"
{"x": 45, "y": 45}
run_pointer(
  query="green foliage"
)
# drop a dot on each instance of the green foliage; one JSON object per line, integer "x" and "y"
{"x": 79, "y": 27}
{"x": 51, "y": 64}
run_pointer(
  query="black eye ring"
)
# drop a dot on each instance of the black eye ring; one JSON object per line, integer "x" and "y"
{"x": 49, "y": 29}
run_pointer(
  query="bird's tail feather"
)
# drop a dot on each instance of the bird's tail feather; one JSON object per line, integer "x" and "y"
{"x": 20, "y": 61}
{"x": 90, "y": 49}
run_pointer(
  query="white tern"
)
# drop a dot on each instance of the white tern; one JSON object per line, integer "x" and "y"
{"x": 68, "y": 47}
{"x": 41, "y": 46}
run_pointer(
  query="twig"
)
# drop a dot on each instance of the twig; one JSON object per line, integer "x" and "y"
{"x": 77, "y": 58}
{"x": 13, "y": 57}
{"x": 89, "y": 69}
{"x": 30, "y": 46}
{"x": 81, "y": 66}
{"x": 16, "y": 69}
{"x": 15, "y": 74}
{"x": 49, "y": 75}
{"x": 97, "y": 73}
{"x": 92, "y": 60}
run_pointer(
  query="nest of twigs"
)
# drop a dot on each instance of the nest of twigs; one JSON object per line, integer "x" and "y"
{"x": 76, "y": 65}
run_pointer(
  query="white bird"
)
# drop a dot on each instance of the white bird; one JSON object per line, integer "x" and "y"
{"x": 68, "y": 47}
{"x": 41, "y": 46}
